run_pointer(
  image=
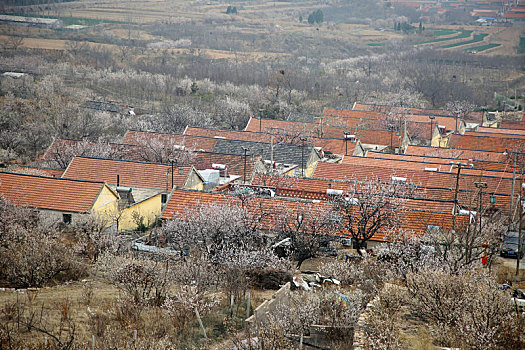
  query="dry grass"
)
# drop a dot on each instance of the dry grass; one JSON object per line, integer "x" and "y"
{"x": 95, "y": 296}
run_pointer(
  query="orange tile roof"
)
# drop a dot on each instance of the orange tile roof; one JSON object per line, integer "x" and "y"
{"x": 452, "y": 153}
{"x": 486, "y": 143}
{"x": 472, "y": 116}
{"x": 398, "y": 163}
{"x": 49, "y": 192}
{"x": 315, "y": 188}
{"x": 334, "y": 145}
{"x": 512, "y": 124}
{"x": 504, "y": 165}
{"x": 234, "y": 162}
{"x": 497, "y": 131}
{"x": 283, "y": 126}
{"x": 312, "y": 130}
{"x": 445, "y": 182}
{"x": 135, "y": 137}
{"x": 347, "y": 117}
{"x": 183, "y": 203}
{"x": 228, "y": 134}
{"x": 130, "y": 173}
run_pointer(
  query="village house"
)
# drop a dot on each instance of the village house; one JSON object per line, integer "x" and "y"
{"x": 61, "y": 200}
{"x": 142, "y": 187}
{"x": 183, "y": 204}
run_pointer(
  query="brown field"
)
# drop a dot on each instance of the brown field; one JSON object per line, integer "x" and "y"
{"x": 253, "y": 19}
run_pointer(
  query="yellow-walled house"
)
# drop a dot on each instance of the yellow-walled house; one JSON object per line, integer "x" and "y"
{"x": 142, "y": 187}
{"x": 66, "y": 200}
{"x": 141, "y": 214}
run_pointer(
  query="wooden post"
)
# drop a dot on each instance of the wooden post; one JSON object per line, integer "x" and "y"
{"x": 200, "y": 323}
{"x": 248, "y": 305}
{"x": 231, "y": 305}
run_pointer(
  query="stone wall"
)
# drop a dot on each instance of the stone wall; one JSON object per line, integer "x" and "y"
{"x": 261, "y": 313}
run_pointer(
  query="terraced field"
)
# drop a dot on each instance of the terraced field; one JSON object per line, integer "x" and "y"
{"x": 462, "y": 34}
{"x": 482, "y": 47}
{"x": 477, "y": 38}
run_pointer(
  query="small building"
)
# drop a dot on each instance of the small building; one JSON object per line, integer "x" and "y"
{"x": 142, "y": 188}
{"x": 51, "y": 23}
{"x": 66, "y": 200}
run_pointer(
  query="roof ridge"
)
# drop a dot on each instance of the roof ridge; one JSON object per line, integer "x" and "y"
{"x": 134, "y": 161}
{"x": 51, "y": 177}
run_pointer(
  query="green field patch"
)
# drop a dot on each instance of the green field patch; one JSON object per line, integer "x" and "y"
{"x": 376, "y": 44}
{"x": 442, "y": 32}
{"x": 521, "y": 47}
{"x": 463, "y": 34}
{"x": 482, "y": 47}
{"x": 477, "y": 38}
{"x": 75, "y": 20}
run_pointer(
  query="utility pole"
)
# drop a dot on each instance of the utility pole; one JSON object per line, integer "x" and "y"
{"x": 271, "y": 152}
{"x": 431, "y": 130}
{"x": 481, "y": 186}
{"x": 511, "y": 217}
{"x": 454, "y": 210}
{"x": 244, "y": 178}
{"x": 520, "y": 229}
{"x": 302, "y": 156}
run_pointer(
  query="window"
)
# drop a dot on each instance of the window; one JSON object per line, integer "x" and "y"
{"x": 164, "y": 198}
{"x": 66, "y": 218}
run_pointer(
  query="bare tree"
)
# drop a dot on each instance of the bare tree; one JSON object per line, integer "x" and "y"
{"x": 302, "y": 232}
{"x": 482, "y": 320}
{"x": 460, "y": 110}
{"x": 372, "y": 206}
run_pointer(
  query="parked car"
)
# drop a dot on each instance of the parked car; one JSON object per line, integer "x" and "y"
{"x": 510, "y": 245}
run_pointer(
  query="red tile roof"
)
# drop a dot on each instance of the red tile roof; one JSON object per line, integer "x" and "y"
{"x": 130, "y": 173}
{"x": 472, "y": 116}
{"x": 512, "y": 124}
{"x": 486, "y": 143}
{"x": 502, "y": 132}
{"x": 431, "y": 161}
{"x": 397, "y": 163}
{"x": 141, "y": 138}
{"x": 234, "y": 162}
{"x": 344, "y": 117}
{"x": 334, "y": 145}
{"x": 451, "y": 153}
{"x": 445, "y": 182}
{"x": 283, "y": 126}
{"x": 183, "y": 203}
{"x": 315, "y": 188}
{"x": 312, "y": 130}
{"x": 49, "y": 192}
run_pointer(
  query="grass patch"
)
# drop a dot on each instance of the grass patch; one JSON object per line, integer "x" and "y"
{"x": 376, "y": 44}
{"x": 74, "y": 20}
{"x": 482, "y": 47}
{"x": 475, "y": 39}
{"x": 521, "y": 47}
{"x": 463, "y": 34}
